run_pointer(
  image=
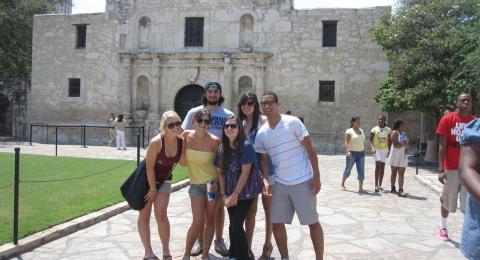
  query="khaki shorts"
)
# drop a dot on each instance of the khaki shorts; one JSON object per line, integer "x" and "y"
{"x": 288, "y": 199}
{"x": 452, "y": 187}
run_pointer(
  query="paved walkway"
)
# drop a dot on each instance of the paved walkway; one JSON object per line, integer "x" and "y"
{"x": 357, "y": 226}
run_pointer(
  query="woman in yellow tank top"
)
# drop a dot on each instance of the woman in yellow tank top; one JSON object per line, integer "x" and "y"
{"x": 200, "y": 153}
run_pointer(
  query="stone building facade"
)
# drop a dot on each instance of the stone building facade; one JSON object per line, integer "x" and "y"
{"x": 141, "y": 58}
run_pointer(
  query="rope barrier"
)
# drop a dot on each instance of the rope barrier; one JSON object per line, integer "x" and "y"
{"x": 6, "y": 186}
{"x": 76, "y": 178}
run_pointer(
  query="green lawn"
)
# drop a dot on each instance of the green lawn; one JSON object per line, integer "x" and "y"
{"x": 48, "y": 203}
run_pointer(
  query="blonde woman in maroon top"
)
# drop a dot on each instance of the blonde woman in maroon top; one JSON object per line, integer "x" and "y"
{"x": 164, "y": 151}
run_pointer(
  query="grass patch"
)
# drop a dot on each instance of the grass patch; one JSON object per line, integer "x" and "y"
{"x": 92, "y": 184}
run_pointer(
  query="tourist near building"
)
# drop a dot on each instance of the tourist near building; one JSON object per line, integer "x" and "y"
{"x": 140, "y": 58}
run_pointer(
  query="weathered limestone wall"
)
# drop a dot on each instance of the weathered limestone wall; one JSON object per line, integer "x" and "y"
{"x": 300, "y": 62}
{"x": 55, "y": 59}
{"x": 286, "y": 56}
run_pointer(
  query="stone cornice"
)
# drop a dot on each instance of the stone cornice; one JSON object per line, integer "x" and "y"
{"x": 208, "y": 59}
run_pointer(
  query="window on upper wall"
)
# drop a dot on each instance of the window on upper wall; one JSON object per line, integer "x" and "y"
{"x": 326, "y": 91}
{"x": 74, "y": 87}
{"x": 329, "y": 33}
{"x": 194, "y": 32}
{"x": 81, "y": 36}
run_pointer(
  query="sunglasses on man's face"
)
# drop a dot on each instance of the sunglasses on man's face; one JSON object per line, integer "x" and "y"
{"x": 248, "y": 103}
{"x": 265, "y": 103}
{"x": 175, "y": 124}
{"x": 201, "y": 120}
{"x": 231, "y": 126}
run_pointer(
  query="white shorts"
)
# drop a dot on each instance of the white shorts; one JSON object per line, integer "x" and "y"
{"x": 381, "y": 155}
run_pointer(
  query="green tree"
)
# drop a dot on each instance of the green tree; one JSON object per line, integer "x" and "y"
{"x": 434, "y": 54}
{"x": 16, "y": 23}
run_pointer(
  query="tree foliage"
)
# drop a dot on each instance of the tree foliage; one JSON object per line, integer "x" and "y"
{"x": 434, "y": 54}
{"x": 16, "y": 23}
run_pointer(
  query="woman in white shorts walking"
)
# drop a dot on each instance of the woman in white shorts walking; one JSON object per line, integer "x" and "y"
{"x": 398, "y": 157}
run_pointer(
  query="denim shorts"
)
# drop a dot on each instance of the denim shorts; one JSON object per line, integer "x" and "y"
{"x": 197, "y": 190}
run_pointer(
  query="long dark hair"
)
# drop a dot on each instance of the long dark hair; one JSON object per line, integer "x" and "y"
{"x": 256, "y": 109}
{"x": 238, "y": 143}
{"x": 397, "y": 123}
{"x": 354, "y": 118}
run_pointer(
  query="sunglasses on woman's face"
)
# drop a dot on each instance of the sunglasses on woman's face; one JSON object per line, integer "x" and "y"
{"x": 248, "y": 103}
{"x": 232, "y": 126}
{"x": 201, "y": 120}
{"x": 175, "y": 124}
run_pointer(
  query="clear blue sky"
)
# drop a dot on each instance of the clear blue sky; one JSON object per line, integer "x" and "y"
{"x": 93, "y": 6}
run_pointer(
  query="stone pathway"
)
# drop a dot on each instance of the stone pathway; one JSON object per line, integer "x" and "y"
{"x": 357, "y": 226}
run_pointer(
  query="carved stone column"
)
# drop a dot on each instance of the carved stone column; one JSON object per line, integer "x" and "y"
{"x": 227, "y": 89}
{"x": 155, "y": 90}
{"x": 260, "y": 86}
{"x": 126, "y": 87}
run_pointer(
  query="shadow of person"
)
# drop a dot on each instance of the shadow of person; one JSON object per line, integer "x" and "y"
{"x": 454, "y": 243}
{"x": 413, "y": 197}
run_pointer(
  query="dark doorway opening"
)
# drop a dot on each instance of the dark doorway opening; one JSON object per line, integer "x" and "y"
{"x": 5, "y": 116}
{"x": 188, "y": 97}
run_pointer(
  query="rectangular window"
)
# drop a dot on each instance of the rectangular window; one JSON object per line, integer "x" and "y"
{"x": 327, "y": 91}
{"x": 81, "y": 39}
{"x": 74, "y": 87}
{"x": 329, "y": 33}
{"x": 194, "y": 32}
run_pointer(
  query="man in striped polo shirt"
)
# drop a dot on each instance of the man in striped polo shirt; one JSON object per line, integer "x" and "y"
{"x": 297, "y": 181}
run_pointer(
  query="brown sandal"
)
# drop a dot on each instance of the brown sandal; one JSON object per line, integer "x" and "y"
{"x": 267, "y": 251}
{"x": 167, "y": 257}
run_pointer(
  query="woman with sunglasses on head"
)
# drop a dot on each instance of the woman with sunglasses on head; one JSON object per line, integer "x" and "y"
{"x": 237, "y": 159}
{"x": 249, "y": 113}
{"x": 164, "y": 151}
{"x": 200, "y": 151}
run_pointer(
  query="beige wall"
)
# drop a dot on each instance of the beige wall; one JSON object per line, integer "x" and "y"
{"x": 287, "y": 57}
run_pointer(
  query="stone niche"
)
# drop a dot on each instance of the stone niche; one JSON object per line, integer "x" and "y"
{"x": 13, "y": 97}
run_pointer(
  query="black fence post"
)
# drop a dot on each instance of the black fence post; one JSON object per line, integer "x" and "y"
{"x": 417, "y": 155}
{"x": 138, "y": 147}
{"x": 56, "y": 140}
{"x": 47, "y": 135}
{"x": 84, "y": 140}
{"x": 31, "y": 127}
{"x": 15, "y": 195}
{"x": 143, "y": 137}
{"x": 148, "y": 132}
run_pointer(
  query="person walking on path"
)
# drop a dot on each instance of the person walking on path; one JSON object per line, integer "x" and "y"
{"x": 163, "y": 153}
{"x": 119, "y": 125}
{"x": 212, "y": 100}
{"x": 469, "y": 170}
{"x": 355, "y": 148}
{"x": 237, "y": 165}
{"x": 111, "y": 131}
{"x": 380, "y": 141}
{"x": 448, "y": 131}
{"x": 398, "y": 156}
{"x": 297, "y": 177}
{"x": 249, "y": 113}
{"x": 200, "y": 151}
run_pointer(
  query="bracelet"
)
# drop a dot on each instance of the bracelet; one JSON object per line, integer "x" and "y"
{"x": 154, "y": 190}
{"x": 235, "y": 192}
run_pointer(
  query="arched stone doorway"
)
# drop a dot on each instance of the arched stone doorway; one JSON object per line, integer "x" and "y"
{"x": 188, "y": 97}
{"x": 5, "y": 116}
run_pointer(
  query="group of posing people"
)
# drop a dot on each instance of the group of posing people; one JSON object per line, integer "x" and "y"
{"x": 231, "y": 160}
{"x": 381, "y": 138}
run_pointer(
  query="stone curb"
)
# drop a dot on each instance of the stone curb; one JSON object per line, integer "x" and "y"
{"x": 429, "y": 183}
{"x": 29, "y": 243}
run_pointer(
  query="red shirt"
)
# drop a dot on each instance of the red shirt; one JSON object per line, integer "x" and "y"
{"x": 451, "y": 126}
